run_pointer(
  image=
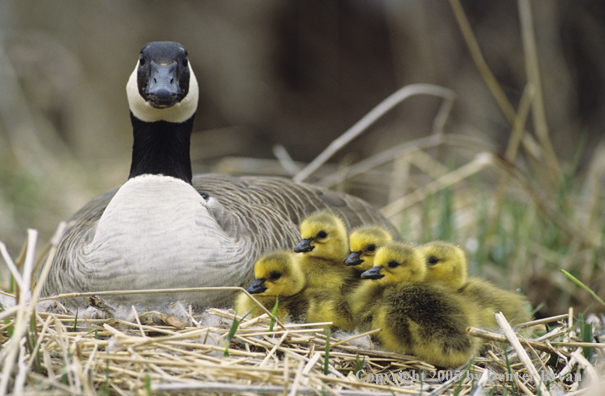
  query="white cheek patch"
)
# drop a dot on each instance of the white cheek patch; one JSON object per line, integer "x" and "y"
{"x": 145, "y": 112}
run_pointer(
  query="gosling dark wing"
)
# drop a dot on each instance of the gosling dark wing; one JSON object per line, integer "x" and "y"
{"x": 438, "y": 318}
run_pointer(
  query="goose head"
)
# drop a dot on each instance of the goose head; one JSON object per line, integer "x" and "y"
{"x": 397, "y": 262}
{"x": 162, "y": 86}
{"x": 446, "y": 264}
{"x": 277, "y": 275}
{"x": 364, "y": 242}
{"x": 324, "y": 236}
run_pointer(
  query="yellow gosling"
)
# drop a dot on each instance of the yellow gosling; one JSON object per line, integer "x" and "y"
{"x": 490, "y": 300}
{"x": 363, "y": 243}
{"x": 447, "y": 265}
{"x": 323, "y": 248}
{"x": 277, "y": 275}
{"x": 416, "y": 317}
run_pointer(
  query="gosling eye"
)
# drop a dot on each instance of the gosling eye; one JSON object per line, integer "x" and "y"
{"x": 322, "y": 234}
{"x": 274, "y": 276}
{"x": 432, "y": 260}
{"x": 371, "y": 248}
{"x": 393, "y": 264}
{"x": 141, "y": 61}
{"x": 185, "y": 62}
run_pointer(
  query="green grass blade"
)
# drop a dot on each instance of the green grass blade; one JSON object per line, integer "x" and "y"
{"x": 358, "y": 364}
{"x": 327, "y": 356}
{"x": 463, "y": 377}
{"x": 148, "y": 385}
{"x": 509, "y": 370}
{"x": 273, "y": 314}
{"x": 586, "y": 334}
{"x": 233, "y": 330}
{"x": 582, "y": 285}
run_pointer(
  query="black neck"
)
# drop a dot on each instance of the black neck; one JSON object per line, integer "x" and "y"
{"x": 161, "y": 148}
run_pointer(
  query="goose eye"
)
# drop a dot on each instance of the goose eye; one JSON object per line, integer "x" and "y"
{"x": 274, "y": 276}
{"x": 322, "y": 234}
{"x": 141, "y": 61}
{"x": 371, "y": 248}
{"x": 432, "y": 260}
{"x": 393, "y": 264}
{"x": 185, "y": 62}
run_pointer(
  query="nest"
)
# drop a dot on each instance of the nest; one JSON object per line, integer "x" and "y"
{"x": 158, "y": 353}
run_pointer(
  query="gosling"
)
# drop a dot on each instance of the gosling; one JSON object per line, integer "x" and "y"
{"x": 417, "y": 317}
{"x": 364, "y": 242}
{"x": 324, "y": 247}
{"x": 447, "y": 266}
{"x": 278, "y": 277}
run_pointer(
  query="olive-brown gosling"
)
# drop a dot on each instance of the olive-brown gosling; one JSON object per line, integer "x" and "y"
{"x": 447, "y": 265}
{"x": 363, "y": 243}
{"x": 416, "y": 317}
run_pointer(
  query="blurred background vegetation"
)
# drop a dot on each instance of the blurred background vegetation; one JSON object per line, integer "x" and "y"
{"x": 299, "y": 73}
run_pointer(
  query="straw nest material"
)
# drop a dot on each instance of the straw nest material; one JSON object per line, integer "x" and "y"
{"x": 112, "y": 356}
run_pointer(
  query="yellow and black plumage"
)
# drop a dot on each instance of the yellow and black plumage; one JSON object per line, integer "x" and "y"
{"x": 363, "y": 243}
{"x": 323, "y": 248}
{"x": 277, "y": 275}
{"x": 416, "y": 317}
{"x": 447, "y": 266}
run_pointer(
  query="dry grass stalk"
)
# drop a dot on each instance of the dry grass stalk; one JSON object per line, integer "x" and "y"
{"x": 530, "y": 145}
{"x": 478, "y": 164}
{"x": 533, "y": 76}
{"x": 377, "y": 112}
{"x": 512, "y": 338}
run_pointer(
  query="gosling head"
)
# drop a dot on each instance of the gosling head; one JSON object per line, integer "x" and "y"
{"x": 277, "y": 275}
{"x": 324, "y": 236}
{"x": 397, "y": 262}
{"x": 364, "y": 242}
{"x": 162, "y": 86}
{"x": 446, "y": 264}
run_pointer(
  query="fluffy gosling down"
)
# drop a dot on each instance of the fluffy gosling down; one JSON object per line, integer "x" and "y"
{"x": 447, "y": 266}
{"x": 363, "y": 243}
{"x": 277, "y": 276}
{"x": 323, "y": 248}
{"x": 416, "y": 317}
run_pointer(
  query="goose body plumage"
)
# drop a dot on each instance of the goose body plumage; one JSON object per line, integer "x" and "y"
{"x": 164, "y": 228}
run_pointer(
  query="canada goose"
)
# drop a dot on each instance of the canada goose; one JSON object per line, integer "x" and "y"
{"x": 277, "y": 275}
{"x": 416, "y": 317}
{"x": 363, "y": 243}
{"x": 323, "y": 248}
{"x": 446, "y": 265}
{"x": 164, "y": 228}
